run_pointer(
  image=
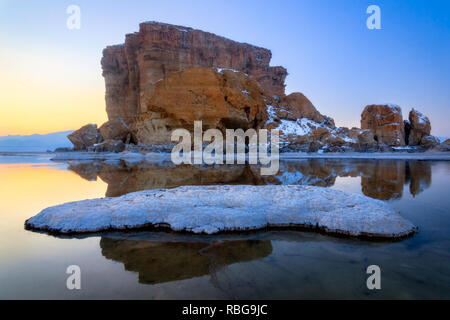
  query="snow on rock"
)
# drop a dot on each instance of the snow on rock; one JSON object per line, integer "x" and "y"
{"x": 211, "y": 209}
{"x": 300, "y": 127}
{"x": 220, "y": 70}
{"x": 421, "y": 118}
{"x": 394, "y": 107}
{"x": 304, "y": 131}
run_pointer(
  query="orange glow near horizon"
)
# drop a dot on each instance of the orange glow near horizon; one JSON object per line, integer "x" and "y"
{"x": 44, "y": 95}
{"x": 43, "y": 183}
{"x": 43, "y": 186}
{"x": 28, "y": 188}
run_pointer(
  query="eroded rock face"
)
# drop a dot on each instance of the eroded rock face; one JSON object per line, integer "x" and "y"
{"x": 386, "y": 124}
{"x": 85, "y": 137}
{"x": 419, "y": 127}
{"x": 223, "y": 100}
{"x": 115, "y": 129}
{"x": 132, "y": 70}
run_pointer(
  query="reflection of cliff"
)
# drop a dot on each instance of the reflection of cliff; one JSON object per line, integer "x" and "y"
{"x": 123, "y": 179}
{"x": 419, "y": 173}
{"x": 380, "y": 179}
{"x": 158, "y": 262}
{"x": 314, "y": 172}
{"x": 384, "y": 180}
{"x": 86, "y": 169}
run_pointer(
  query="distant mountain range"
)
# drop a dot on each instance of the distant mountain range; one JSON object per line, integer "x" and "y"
{"x": 35, "y": 142}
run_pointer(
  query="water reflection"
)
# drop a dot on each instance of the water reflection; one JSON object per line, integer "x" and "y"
{"x": 166, "y": 257}
{"x": 384, "y": 180}
{"x": 419, "y": 175}
{"x": 279, "y": 264}
{"x": 380, "y": 179}
{"x": 159, "y": 262}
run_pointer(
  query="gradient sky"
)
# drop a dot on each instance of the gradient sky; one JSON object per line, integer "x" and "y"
{"x": 50, "y": 78}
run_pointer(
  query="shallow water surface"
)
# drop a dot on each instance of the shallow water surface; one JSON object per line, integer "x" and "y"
{"x": 257, "y": 265}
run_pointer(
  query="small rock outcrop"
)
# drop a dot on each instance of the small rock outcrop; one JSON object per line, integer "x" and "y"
{"x": 386, "y": 124}
{"x": 419, "y": 128}
{"x": 297, "y": 106}
{"x": 85, "y": 137}
{"x": 115, "y": 129}
{"x": 444, "y": 146}
{"x": 429, "y": 142}
{"x": 302, "y": 127}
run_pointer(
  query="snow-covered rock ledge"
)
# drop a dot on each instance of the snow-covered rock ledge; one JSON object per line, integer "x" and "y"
{"x": 211, "y": 209}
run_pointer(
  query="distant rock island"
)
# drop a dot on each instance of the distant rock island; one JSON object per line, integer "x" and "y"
{"x": 166, "y": 77}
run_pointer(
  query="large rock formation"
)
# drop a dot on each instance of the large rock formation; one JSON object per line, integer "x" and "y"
{"x": 132, "y": 70}
{"x": 385, "y": 122}
{"x": 166, "y": 77}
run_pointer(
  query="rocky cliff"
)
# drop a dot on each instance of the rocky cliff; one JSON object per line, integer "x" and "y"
{"x": 131, "y": 70}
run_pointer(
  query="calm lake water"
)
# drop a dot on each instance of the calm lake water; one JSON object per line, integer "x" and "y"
{"x": 259, "y": 265}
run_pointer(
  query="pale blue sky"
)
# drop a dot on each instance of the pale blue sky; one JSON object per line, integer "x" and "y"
{"x": 331, "y": 56}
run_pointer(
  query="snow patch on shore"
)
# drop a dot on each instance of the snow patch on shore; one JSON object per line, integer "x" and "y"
{"x": 211, "y": 209}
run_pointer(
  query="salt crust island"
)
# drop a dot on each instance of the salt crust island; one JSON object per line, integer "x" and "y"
{"x": 213, "y": 209}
